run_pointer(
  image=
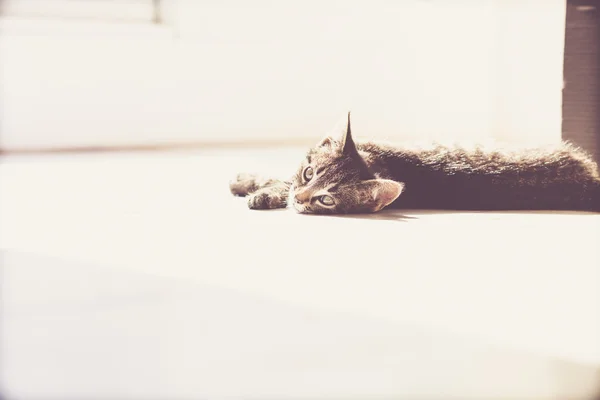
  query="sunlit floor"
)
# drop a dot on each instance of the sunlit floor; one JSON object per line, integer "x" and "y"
{"x": 140, "y": 275}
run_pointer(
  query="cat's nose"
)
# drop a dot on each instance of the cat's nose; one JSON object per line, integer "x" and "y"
{"x": 302, "y": 197}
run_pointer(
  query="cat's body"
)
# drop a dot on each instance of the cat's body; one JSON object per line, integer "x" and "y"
{"x": 343, "y": 177}
{"x": 559, "y": 178}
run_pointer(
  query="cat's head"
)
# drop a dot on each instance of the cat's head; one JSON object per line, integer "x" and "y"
{"x": 334, "y": 178}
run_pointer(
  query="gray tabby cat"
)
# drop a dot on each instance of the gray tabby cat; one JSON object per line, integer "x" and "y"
{"x": 346, "y": 177}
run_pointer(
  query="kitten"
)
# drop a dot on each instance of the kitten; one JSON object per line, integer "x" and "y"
{"x": 346, "y": 177}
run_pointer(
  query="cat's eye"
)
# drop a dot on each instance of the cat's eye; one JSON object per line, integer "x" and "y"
{"x": 308, "y": 173}
{"x": 326, "y": 200}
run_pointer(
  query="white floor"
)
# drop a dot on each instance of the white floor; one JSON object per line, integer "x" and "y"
{"x": 139, "y": 274}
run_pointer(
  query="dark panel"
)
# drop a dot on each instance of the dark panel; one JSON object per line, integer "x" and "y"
{"x": 581, "y": 93}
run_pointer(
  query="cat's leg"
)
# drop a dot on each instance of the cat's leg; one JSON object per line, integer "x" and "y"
{"x": 262, "y": 193}
{"x": 245, "y": 184}
{"x": 273, "y": 195}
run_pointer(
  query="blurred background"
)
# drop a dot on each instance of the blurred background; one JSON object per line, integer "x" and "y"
{"x": 87, "y": 73}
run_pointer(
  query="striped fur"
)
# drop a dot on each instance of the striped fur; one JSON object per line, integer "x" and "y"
{"x": 367, "y": 177}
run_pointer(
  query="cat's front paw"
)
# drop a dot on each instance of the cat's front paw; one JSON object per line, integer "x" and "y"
{"x": 266, "y": 200}
{"x": 243, "y": 184}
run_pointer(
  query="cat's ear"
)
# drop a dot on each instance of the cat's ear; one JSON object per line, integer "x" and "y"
{"x": 327, "y": 141}
{"x": 380, "y": 193}
{"x": 348, "y": 146}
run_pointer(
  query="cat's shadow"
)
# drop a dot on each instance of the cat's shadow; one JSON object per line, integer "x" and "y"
{"x": 385, "y": 215}
{"x": 405, "y": 215}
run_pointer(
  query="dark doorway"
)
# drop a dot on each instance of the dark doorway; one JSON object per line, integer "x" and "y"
{"x": 581, "y": 93}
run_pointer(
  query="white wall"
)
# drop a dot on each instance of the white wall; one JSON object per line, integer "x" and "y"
{"x": 528, "y": 47}
{"x": 236, "y": 70}
{"x": 115, "y": 10}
